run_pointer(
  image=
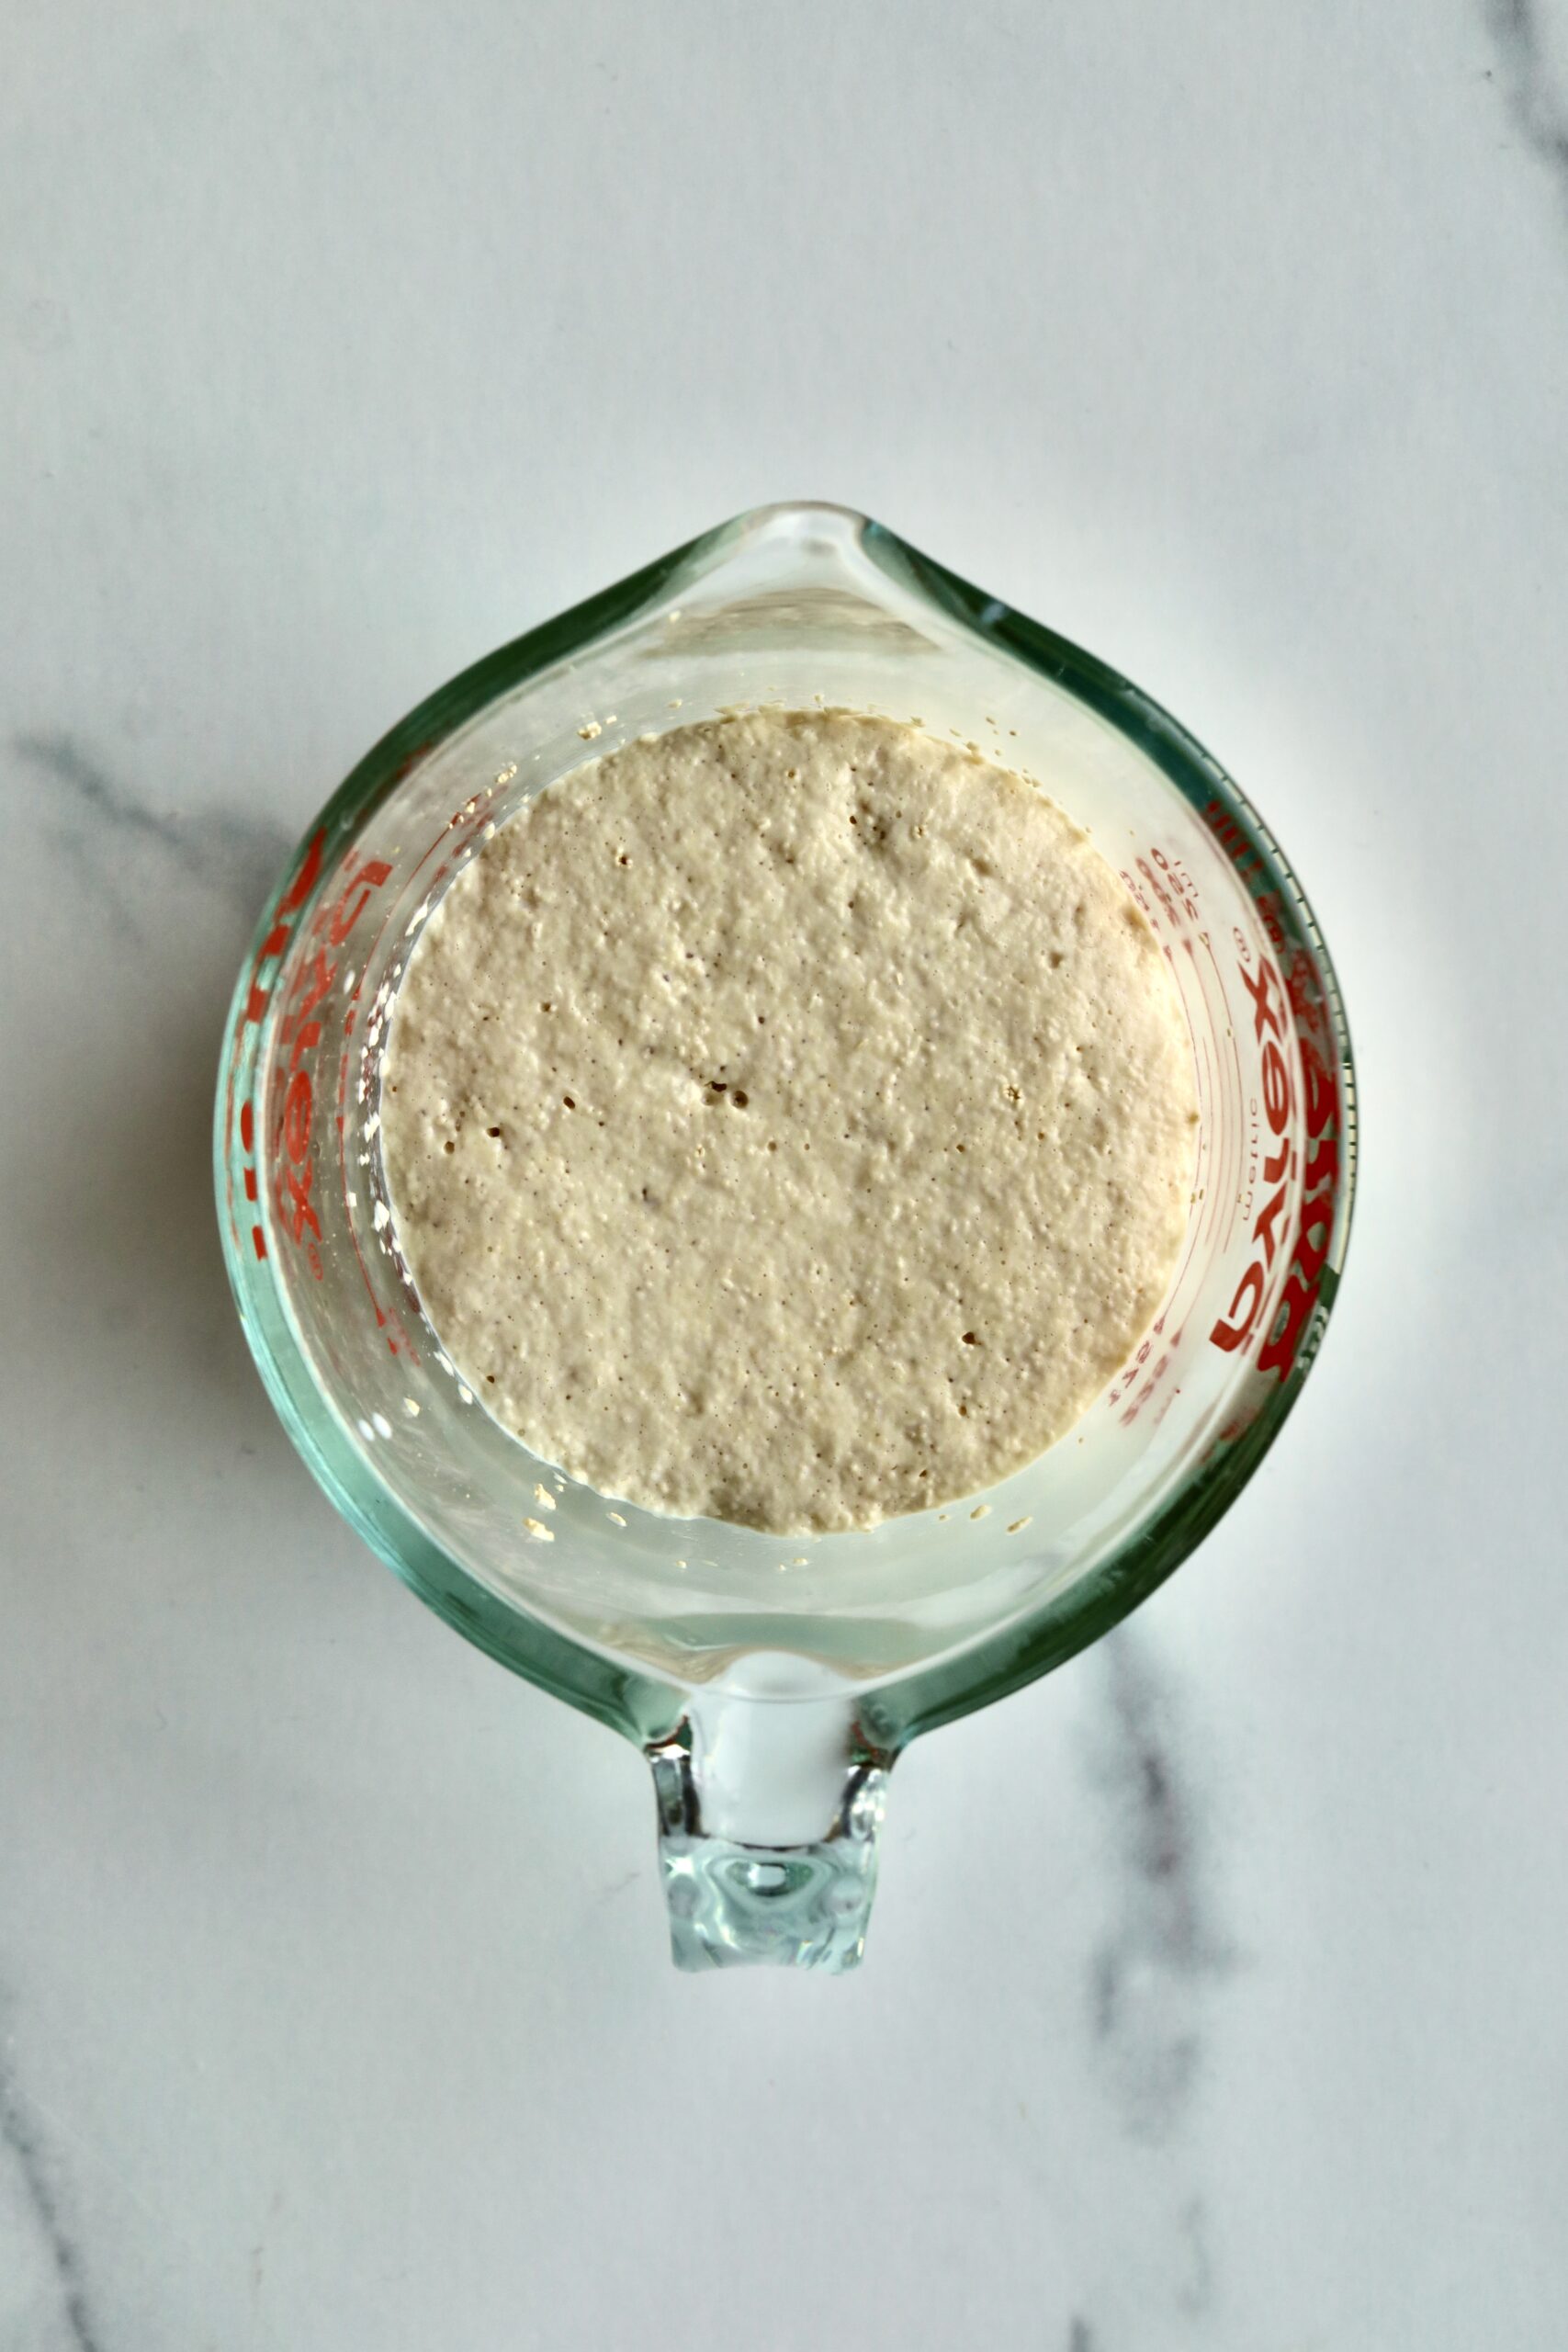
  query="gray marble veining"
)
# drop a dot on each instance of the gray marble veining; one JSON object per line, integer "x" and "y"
{"x": 1536, "y": 105}
{"x": 95, "y": 821}
{"x": 1151, "y": 1970}
{"x": 59, "y": 2314}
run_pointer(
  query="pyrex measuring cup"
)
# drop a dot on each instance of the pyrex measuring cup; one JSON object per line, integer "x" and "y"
{"x": 774, "y": 1683}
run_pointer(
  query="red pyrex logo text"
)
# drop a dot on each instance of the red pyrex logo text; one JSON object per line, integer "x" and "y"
{"x": 1276, "y": 1033}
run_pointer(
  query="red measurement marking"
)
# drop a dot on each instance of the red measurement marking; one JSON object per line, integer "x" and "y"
{"x": 476, "y": 823}
{"x": 1228, "y": 831}
{"x": 292, "y": 1106}
{"x": 1227, "y": 1203}
{"x": 376, "y": 873}
{"x": 1205, "y": 1153}
{"x": 248, "y": 1144}
{"x": 1253, "y": 1172}
{"x": 1166, "y": 892}
{"x": 277, "y": 940}
{"x": 1168, "y": 896}
{"x": 1139, "y": 1402}
{"x": 369, "y": 877}
{"x": 291, "y": 1151}
{"x": 259, "y": 999}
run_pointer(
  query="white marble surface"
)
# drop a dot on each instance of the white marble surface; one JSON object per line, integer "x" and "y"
{"x": 1215, "y": 1994}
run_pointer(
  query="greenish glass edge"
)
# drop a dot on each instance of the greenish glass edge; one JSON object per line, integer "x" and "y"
{"x": 639, "y": 1706}
{"x": 636, "y": 1705}
{"x": 643, "y": 1707}
{"x": 462, "y": 698}
{"x": 1019, "y": 1655}
{"x": 996, "y": 1665}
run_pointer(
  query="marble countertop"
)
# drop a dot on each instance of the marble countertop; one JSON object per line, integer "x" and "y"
{"x": 1214, "y": 1997}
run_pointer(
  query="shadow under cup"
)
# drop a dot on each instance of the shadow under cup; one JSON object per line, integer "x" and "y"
{"x": 684, "y": 1634}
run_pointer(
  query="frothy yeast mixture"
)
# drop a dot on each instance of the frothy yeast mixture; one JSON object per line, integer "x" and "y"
{"x": 789, "y": 1119}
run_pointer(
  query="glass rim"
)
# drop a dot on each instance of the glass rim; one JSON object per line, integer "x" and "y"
{"x": 897, "y": 1706}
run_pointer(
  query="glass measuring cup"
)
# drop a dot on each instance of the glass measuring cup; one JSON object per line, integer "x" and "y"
{"x": 771, "y": 1682}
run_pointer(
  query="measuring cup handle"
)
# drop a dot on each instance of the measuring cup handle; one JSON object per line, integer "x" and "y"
{"x": 768, "y": 1822}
